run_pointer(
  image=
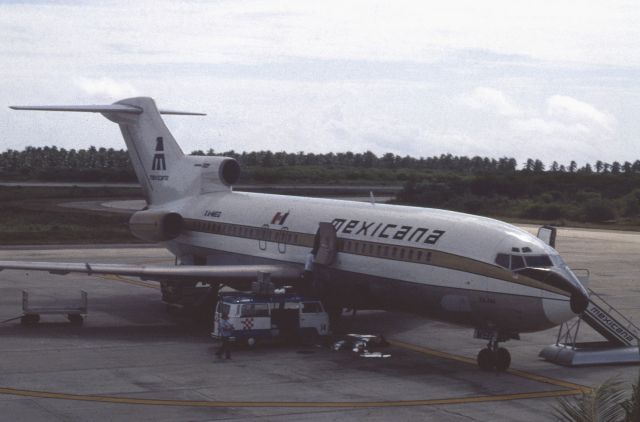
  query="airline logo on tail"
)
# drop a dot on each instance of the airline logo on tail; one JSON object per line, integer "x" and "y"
{"x": 158, "y": 158}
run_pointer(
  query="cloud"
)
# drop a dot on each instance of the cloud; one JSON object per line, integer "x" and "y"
{"x": 105, "y": 88}
{"x": 366, "y": 74}
{"x": 492, "y": 100}
{"x": 562, "y": 107}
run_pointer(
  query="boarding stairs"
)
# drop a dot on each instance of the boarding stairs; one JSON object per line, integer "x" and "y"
{"x": 621, "y": 334}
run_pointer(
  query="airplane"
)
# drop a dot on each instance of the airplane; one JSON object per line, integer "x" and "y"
{"x": 460, "y": 268}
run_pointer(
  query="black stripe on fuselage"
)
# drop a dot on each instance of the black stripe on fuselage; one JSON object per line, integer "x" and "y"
{"x": 417, "y": 255}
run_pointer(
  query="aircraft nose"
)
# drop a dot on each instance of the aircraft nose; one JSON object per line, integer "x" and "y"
{"x": 579, "y": 301}
{"x": 559, "y": 311}
{"x": 563, "y": 280}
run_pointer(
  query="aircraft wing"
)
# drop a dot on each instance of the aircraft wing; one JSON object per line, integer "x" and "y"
{"x": 175, "y": 273}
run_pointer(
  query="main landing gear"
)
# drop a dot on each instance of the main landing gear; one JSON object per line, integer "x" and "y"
{"x": 494, "y": 357}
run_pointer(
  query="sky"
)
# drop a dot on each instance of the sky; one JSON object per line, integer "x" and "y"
{"x": 552, "y": 80}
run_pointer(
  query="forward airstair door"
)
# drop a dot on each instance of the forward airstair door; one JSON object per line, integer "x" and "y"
{"x": 327, "y": 244}
{"x": 548, "y": 235}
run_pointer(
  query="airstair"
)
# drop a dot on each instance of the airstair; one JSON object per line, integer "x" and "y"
{"x": 622, "y": 338}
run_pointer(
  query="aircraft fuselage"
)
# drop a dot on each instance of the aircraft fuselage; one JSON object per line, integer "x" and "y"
{"x": 436, "y": 263}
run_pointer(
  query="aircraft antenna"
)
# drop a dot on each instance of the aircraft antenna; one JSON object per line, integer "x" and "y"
{"x": 372, "y": 198}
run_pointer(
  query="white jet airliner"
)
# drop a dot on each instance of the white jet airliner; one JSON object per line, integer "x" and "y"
{"x": 455, "y": 267}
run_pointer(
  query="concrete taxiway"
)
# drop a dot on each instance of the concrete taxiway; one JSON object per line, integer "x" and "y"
{"x": 134, "y": 361}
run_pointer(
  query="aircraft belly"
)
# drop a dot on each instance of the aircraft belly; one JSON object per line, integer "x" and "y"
{"x": 460, "y": 305}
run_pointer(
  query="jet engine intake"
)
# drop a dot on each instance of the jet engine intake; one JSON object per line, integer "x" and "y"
{"x": 156, "y": 226}
{"x": 229, "y": 171}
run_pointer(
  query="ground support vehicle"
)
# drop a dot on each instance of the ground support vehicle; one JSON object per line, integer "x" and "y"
{"x": 266, "y": 317}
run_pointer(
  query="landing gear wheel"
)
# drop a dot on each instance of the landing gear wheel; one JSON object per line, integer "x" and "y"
{"x": 75, "y": 319}
{"x": 502, "y": 359}
{"x": 251, "y": 341}
{"x": 486, "y": 359}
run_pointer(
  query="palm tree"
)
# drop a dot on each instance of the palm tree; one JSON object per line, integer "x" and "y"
{"x": 632, "y": 405}
{"x": 605, "y": 403}
{"x": 602, "y": 404}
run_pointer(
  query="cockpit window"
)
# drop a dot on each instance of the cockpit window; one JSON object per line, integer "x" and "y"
{"x": 503, "y": 260}
{"x": 517, "y": 262}
{"x": 538, "y": 261}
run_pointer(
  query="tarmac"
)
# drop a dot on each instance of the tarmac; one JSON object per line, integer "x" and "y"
{"x": 132, "y": 360}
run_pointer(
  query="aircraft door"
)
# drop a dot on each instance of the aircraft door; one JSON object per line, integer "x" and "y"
{"x": 282, "y": 239}
{"x": 263, "y": 237}
{"x": 326, "y": 243}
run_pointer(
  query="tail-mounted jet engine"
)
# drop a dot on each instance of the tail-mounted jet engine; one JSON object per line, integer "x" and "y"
{"x": 229, "y": 171}
{"x": 156, "y": 226}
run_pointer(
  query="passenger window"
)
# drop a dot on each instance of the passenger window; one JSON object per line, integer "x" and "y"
{"x": 410, "y": 254}
{"x": 393, "y": 252}
{"x": 311, "y": 308}
{"x": 385, "y": 251}
{"x": 502, "y": 259}
{"x": 419, "y": 256}
{"x": 428, "y": 257}
{"x": 517, "y": 262}
{"x": 401, "y": 253}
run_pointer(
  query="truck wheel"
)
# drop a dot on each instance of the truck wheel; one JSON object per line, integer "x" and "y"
{"x": 30, "y": 319}
{"x": 75, "y": 319}
{"x": 310, "y": 338}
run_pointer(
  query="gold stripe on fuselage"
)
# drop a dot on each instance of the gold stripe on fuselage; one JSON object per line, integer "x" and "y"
{"x": 367, "y": 248}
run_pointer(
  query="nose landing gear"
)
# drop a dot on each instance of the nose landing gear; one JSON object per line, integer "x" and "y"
{"x": 494, "y": 357}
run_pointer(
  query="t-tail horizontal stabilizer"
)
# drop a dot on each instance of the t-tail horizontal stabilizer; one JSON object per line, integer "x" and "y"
{"x": 110, "y": 108}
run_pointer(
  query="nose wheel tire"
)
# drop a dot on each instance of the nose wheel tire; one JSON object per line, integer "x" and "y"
{"x": 485, "y": 359}
{"x": 502, "y": 359}
{"x": 489, "y": 360}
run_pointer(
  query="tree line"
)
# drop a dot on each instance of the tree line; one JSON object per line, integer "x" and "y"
{"x": 549, "y": 196}
{"x": 109, "y": 164}
{"x": 598, "y": 192}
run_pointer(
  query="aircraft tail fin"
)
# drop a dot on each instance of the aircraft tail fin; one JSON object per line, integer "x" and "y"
{"x": 156, "y": 157}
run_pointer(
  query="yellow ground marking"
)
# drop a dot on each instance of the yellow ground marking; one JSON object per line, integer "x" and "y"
{"x": 569, "y": 389}
{"x": 122, "y": 279}
{"x": 337, "y": 404}
{"x": 516, "y": 372}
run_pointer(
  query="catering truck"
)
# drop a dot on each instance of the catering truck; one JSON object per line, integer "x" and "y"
{"x": 258, "y": 318}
